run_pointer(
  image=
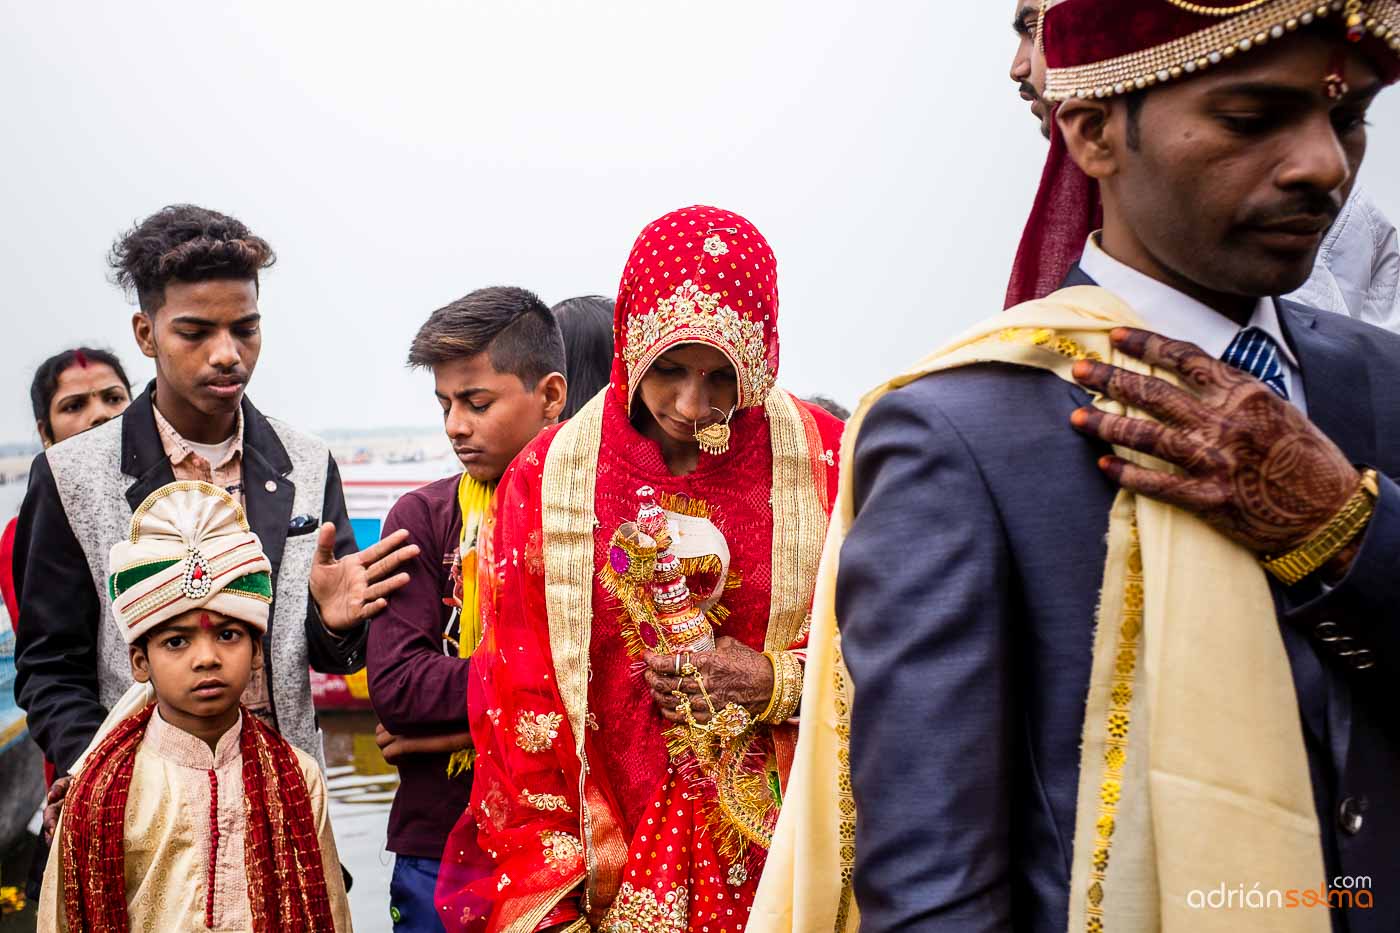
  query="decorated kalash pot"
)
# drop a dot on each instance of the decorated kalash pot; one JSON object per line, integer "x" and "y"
{"x": 649, "y": 571}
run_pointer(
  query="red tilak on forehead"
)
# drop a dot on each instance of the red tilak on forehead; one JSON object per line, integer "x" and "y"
{"x": 204, "y": 621}
{"x": 80, "y": 358}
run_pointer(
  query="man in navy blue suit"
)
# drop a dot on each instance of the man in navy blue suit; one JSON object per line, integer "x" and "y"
{"x": 1221, "y": 138}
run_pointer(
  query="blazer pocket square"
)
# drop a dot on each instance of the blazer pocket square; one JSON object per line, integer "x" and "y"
{"x": 302, "y": 525}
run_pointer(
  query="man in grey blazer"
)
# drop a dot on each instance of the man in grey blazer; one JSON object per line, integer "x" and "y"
{"x": 970, "y": 577}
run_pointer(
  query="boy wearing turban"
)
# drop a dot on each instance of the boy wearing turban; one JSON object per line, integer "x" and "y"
{"x": 185, "y": 812}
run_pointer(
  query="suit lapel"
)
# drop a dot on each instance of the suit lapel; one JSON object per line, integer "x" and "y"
{"x": 1077, "y": 276}
{"x": 1336, "y": 380}
{"x": 143, "y": 455}
{"x": 267, "y": 492}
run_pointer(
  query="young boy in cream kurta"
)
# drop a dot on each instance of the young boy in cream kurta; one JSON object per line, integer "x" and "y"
{"x": 184, "y": 813}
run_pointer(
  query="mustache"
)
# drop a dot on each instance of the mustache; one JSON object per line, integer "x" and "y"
{"x": 1311, "y": 203}
{"x": 1029, "y": 89}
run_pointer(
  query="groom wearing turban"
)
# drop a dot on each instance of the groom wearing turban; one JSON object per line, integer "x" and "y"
{"x": 1116, "y": 573}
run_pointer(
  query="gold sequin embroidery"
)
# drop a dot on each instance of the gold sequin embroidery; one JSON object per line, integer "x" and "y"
{"x": 637, "y": 910}
{"x": 536, "y": 732}
{"x": 1047, "y": 339}
{"x": 545, "y": 801}
{"x": 561, "y": 850}
{"x": 698, "y": 316}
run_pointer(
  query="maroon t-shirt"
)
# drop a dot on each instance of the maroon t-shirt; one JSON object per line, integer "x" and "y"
{"x": 416, "y": 687}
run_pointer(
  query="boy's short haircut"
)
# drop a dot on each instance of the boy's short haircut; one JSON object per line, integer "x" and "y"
{"x": 511, "y": 324}
{"x": 186, "y": 243}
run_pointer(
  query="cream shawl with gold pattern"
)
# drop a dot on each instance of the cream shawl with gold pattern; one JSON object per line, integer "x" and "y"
{"x": 1193, "y": 771}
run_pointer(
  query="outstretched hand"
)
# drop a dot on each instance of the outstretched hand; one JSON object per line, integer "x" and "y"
{"x": 1251, "y": 465}
{"x": 351, "y": 589}
{"x": 733, "y": 673}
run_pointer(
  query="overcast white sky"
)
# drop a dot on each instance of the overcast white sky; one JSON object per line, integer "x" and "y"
{"x": 398, "y": 155}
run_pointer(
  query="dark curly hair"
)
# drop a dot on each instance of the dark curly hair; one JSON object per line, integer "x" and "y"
{"x": 186, "y": 243}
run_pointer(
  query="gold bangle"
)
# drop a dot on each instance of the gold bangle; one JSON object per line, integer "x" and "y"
{"x": 792, "y": 697}
{"x": 1343, "y": 527}
{"x": 777, "y": 686}
{"x": 787, "y": 687}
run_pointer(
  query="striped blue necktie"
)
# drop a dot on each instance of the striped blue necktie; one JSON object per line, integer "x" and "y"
{"x": 1255, "y": 352}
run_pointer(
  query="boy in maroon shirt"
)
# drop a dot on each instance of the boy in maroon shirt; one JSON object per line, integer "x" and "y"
{"x": 497, "y": 359}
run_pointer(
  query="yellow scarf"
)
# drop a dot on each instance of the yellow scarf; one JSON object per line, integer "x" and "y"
{"x": 1193, "y": 772}
{"x": 474, "y": 500}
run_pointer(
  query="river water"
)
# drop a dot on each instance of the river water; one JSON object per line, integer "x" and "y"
{"x": 361, "y": 786}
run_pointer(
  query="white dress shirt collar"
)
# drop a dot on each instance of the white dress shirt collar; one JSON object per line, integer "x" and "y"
{"x": 1174, "y": 314}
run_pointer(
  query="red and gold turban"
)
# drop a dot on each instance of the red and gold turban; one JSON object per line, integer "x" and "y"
{"x": 1105, "y": 48}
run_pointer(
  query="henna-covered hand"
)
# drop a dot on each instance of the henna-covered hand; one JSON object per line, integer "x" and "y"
{"x": 1252, "y": 465}
{"x": 733, "y": 673}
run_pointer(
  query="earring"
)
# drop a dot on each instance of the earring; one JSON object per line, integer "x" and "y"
{"x": 714, "y": 438}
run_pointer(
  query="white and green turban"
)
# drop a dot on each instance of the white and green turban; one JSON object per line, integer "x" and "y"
{"x": 189, "y": 548}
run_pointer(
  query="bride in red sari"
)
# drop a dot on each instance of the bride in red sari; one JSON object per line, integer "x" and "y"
{"x": 633, "y": 699}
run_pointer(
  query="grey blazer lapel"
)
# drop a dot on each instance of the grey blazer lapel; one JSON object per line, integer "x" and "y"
{"x": 268, "y": 493}
{"x": 143, "y": 455}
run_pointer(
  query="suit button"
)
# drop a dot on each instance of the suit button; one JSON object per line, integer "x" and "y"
{"x": 1349, "y": 815}
{"x": 1327, "y": 631}
{"x": 270, "y": 486}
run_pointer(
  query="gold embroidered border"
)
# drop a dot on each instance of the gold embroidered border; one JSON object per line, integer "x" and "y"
{"x": 539, "y": 906}
{"x": 1209, "y": 47}
{"x": 1046, "y": 339}
{"x": 692, "y": 314}
{"x": 845, "y": 794}
{"x": 567, "y": 517}
{"x": 799, "y": 523}
{"x": 1116, "y": 726}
